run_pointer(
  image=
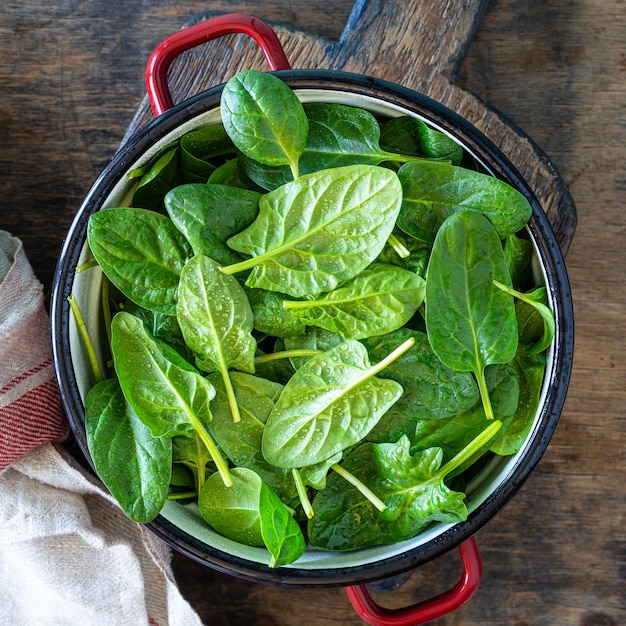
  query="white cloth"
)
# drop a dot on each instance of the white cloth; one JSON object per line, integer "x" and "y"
{"x": 68, "y": 555}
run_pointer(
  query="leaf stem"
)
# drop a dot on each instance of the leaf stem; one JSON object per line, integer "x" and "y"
{"x": 302, "y": 494}
{"x": 85, "y": 336}
{"x": 285, "y": 354}
{"x": 470, "y": 449}
{"x": 218, "y": 459}
{"x": 230, "y": 393}
{"x": 484, "y": 393}
{"x": 182, "y": 495}
{"x": 363, "y": 489}
{"x": 381, "y": 365}
{"x": 402, "y": 251}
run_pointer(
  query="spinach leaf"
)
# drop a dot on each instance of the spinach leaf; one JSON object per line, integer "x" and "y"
{"x": 471, "y": 323}
{"x": 167, "y": 394}
{"x": 328, "y": 405}
{"x": 415, "y": 252}
{"x": 135, "y": 466}
{"x": 379, "y": 300}
{"x": 264, "y": 118}
{"x": 431, "y": 390}
{"x": 408, "y": 135}
{"x": 455, "y": 433}
{"x": 208, "y": 215}
{"x": 233, "y": 511}
{"x": 530, "y": 369}
{"x": 412, "y": 487}
{"x": 231, "y": 174}
{"x": 191, "y": 452}
{"x": 311, "y": 339}
{"x": 281, "y": 534}
{"x": 319, "y": 230}
{"x": 216, "y": 320}
{"x": 518, "y": 254}
{"x": 241, "y": 441}
{"x": 162, "y": 176}
{"x": 432, "y": 191}
{"x": 538, "y": 299}
{"x": 142, "y": 253}
{"x": 198, "y": 147}
{"x": 271, "y": 317}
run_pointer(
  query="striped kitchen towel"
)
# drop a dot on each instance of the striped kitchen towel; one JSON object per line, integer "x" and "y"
{"x": 30, "y": 406}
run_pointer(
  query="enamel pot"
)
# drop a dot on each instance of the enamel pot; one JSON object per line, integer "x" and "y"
{"x": 180, "y": 526}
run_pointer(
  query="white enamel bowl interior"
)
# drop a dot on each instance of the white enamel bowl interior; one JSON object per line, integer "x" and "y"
{"x": 86, "y": 290}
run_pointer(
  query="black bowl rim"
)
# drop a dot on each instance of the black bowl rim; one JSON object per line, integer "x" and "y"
{"x": 551, "y": 258}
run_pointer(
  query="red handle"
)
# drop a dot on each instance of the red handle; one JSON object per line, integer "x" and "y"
{"x": 228, "y": 24}
{"x": 426, "y": 610}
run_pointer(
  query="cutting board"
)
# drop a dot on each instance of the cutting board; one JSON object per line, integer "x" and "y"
{"x": 416, "y": 44}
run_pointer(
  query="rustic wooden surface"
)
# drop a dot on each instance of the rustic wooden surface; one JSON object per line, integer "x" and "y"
{"x": 71, "y": 79}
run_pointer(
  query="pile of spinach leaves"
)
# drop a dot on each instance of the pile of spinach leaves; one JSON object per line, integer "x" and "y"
{"x": 318, "y": 322}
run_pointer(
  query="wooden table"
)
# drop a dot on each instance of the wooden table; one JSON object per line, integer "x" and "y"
{"x": 71, "y": 79}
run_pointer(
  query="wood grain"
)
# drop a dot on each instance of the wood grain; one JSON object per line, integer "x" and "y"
{"x": 71, "y": 79}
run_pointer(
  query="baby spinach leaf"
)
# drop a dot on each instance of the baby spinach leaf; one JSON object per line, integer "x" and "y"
{"x": 312, "y": 339}
{"x": 418, "y": 253}
{"x": 134, "y": 465}
{"x": 378, "y": 300}
{"x": 241, "y": 441}
{"x": 231, "y": 174}
{"x": 142, "y": 253}
{"x": 191, "y": 452}
{"x": 281, "y": 534}
{"x": 271, "y": 317}
{"x": 162, "y": 176}
{"x": 328, "y": 405}
{"x": 453, "y": 434}
{"x": 431, "y": 390}
{"x": 264, "y": 118}
{"x": 266, "y": 177}
{"x": 432, "y": 191}
{"x": 233, "y": 511}
{"x": 538, "y": 299}
{"x": 208, "y": 215}
{"x": 167, "y": 394}
{"x": 319, "y": 230}
{"x": 412, "y": 487}
{"x": 198, "y": 147}
{"x": 518, "y": 254}
{"x": 408, "y": 135}
{"x": 471, "y": 323}
{"x": 216, "y": 320}
{"x": 530, "y": 369}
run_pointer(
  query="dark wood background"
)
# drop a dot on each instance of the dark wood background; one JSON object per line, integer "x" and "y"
{"x": 71, "y": 79}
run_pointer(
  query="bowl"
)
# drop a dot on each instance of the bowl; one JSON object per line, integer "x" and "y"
{"x": 181, "y": 526}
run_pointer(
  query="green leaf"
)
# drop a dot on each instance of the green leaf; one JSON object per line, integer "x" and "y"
{"x": 471, "y": 323}
{"x": 271, "y": 317}
{"x": 412, "y": 487}
{"x": 216, "y": 320}
{"x": 319, "y": 230}
{"x": 518, "y": 254}
{"x": 538, "y": 299}
{"x": 408, "y": 135}
{"x": 328, "y": 405}
{"x": 134, "y": 465}
{"x": 208, "y": 215}
{"x": 241, "y": 441}
{"x": 281, "y": 534}
{"x": 380, "y": 299}
{"x": 167, "y": 394}
{"x": 163, "y": 175}
{"x": 233, "y": 511}
{"x": 311, "y": 339}
{"x": 198, "y": 147}
{"x": 432, "y": 191}
{"x": 431, "y": 390}
{"x": 264, "y": 118}
{"x": 142, "y": 254}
